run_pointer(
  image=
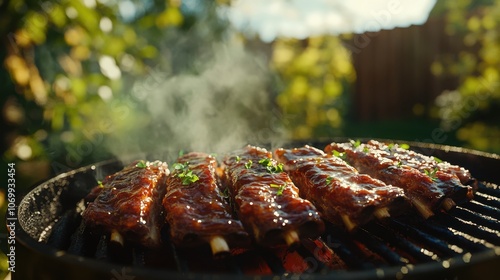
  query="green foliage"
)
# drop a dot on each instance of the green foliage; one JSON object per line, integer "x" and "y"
{"x": 316, "y": 73}
{"x": 72, "y": 62}
{"x": 471, "y": 111}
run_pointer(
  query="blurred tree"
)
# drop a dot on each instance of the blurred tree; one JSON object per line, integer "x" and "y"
{"x": 316, "y": 74}
{"x": 71, "y": 64}
{"x": 471, "y": 111}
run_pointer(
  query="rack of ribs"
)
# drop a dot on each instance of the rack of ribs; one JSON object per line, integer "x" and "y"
{"x": 427, "y": 191}
{"x": 127, "y": 203}
{"x": 266, "y": 200}
{"x": 338, "y": 190}
{"x": 196, "y": 209}
{"x": 426, "y": 164}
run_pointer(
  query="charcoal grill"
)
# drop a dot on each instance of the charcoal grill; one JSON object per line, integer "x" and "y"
{"x": 460, "y": 244}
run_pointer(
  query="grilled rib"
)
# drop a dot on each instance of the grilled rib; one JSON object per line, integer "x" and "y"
{"x": 195, "y": 206}
{"x": 422, "y": 162}
{"x": 427, "y": 192}
{"x": 340, "y": 193}
{"x": 127, "y": 203}
{"x": 266, "y": 200}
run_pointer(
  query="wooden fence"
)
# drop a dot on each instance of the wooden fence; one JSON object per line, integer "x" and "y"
{"x": 393, "y": 69}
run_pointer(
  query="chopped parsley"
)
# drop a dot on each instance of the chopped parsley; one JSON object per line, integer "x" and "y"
{"x": 365, "y": 149}
{"x": 141, "y": 164}
{"x": 431, "y": 173}
{"x": 185, "y": 174}
{"x": 356, "y": 143}
{"x": 249, "y": 163}
{"x": 404, "y": 146}
{"x": 280, "y": 188}
{"x": 270, "y": 167}
{"x": 329, "y": 180}
{"x": 238, "y": 159}
{"x": 338, "y": 154}
{"x": 180, "y": 166}
{"x": 99, "y": 183}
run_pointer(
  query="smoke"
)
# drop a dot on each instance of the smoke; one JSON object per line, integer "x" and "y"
{"x": 221, "y": 102}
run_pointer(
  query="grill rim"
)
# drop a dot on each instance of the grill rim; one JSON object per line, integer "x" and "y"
{"x": 455, "y": 263}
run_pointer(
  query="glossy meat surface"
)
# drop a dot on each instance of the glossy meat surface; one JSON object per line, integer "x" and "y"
{"x": 422, "y": 162}
{"x": 420, "y": 187}
{"x": 196, "y": 209}
{"x": 336, "y": 188}
{"x": 265, "y": 198}
{"x": 129, "y": 202}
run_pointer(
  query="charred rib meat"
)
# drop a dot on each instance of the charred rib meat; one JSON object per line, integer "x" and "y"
{"x": 195, "y": 206}
{"x": 128, "y": 202}
{"x": 422, "y": 162}
{"x": 340, "y": 193}
{"x": 427, "y": 192}
{"x": 266, "y": 199}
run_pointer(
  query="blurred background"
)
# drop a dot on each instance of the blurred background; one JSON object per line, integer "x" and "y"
{"x": 88, "y": 80}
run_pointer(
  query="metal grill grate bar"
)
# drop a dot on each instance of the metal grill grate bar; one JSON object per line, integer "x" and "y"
{"x": 432, "y": 243}
{"x": 470, "y": 228}
{"x": 489, "y": 189}
{"x": 377, "y": 246}
{"x": 403, "y": 244}
{"x": 486, "y": 200}
{"x": 345, "y": 248}
{"x": 442, "y": 231}
{"x": 480, "y": 208}
{"x": 468, "y": 215}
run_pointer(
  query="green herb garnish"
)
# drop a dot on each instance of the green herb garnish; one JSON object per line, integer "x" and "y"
{"x": 270, "y": 167}
{"x": 438, "y": 160}
{"x": 99, "y": 183}
{"x": 329, "y": 180}
{"x": 404, "y": 146}
{"x": 188, "y": 177}
{"x": 356, "y": 143}
{"x": 249, "y": 163}
{"x": 238, "y": 159}
{"x": 431, "y": 173}
{"x": 141, "y": 164}
{"x": 185, "y": 174}
{"x": 180, "y": 166}
{"x": 390, "y": 146}
{"x": 280, "y": 188}
{"x": 265, "y": 161}
{"x": 181, "y": 153}
{"x": 365, "y": 149}
{"x": 338, "y": 154}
